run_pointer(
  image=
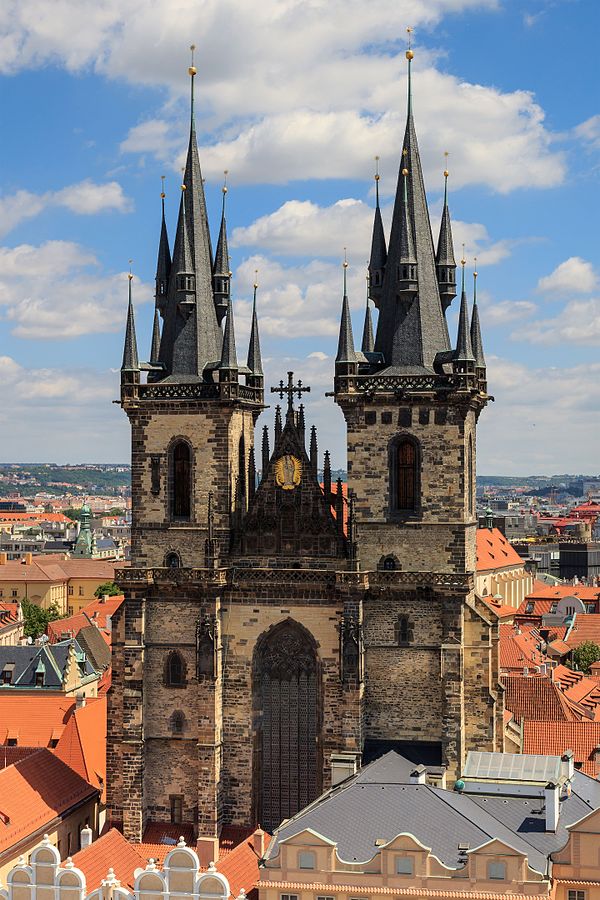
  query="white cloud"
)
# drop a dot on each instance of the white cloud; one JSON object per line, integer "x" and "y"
{"x": 589, "y": 131}
{"x": 577, "y": 323}
{"x": 507, "y": 311}
{"x": 55, "y": 291}
{"x": 303, "y": 228}
{"x": 304, "y": 90}
{"x": 573, "y": 276}
{"x": 60, "y": 414}
{"x": 86, "y": 198}
{"x": 523, "y": 433}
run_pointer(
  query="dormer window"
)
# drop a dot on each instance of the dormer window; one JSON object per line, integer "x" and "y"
{"x": 306, "y": 859}
{"x": 185, "y": 282}
{"x": 39, "y": 679}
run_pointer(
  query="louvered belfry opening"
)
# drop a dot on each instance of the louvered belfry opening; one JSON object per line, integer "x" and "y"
{"x": 287, "y": 686}
{"x": 406, "y": 475}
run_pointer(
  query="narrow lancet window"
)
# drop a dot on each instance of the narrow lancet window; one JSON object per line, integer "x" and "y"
{"x": 182, "y": 481}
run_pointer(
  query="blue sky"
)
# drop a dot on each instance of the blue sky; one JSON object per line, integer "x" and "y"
{"x": 295, "y": 99}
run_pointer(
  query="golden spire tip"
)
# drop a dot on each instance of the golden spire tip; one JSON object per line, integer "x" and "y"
{"x": 409, "y": 53}
{"x": 446, "y": 155}
{"x": 192, "y": 69}
{"x": 345, "y": 263}
{"x": 130, "y": 276}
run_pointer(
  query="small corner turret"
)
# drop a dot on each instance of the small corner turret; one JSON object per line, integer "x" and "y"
{"x": 221, "y": 271}
{"x": 444, "y": 258}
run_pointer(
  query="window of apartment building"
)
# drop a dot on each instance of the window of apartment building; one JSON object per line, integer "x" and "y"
{"x": 497, "y": 871}
{"x": 70, "y": 590}
{"x": 13, "y": 593}
{"x": 81, "y": 592}
{"x": 306, "y": 859}
{"x": 529, "y": 607}
{"x": 325, "y": 898}
{"x": 288, "y": 897}
{"x": 590, "y": 607}
{"x": 7, "y": 674}
{"x": 176, "y": 801}
{"x": 575, "y": 895}
{"x": 39, "y": 679}
{"x": 404, "y": 865}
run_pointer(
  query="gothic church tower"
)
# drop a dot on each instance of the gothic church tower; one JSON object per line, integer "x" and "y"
{"x": 411, "y": 404}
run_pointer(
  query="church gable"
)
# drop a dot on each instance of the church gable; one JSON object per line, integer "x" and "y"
{"x": 288, "y": 514}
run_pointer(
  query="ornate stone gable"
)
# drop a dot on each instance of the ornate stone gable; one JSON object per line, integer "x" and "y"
{"x": 288, "y": 515}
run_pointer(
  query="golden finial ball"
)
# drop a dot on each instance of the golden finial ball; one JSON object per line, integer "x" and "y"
{"x": 405, "y": 171}
{"x": 224, "y": 188}
{"x": 162, "y": 195}
{"x": 446, "y": 173}
{"x": 183, "y": 187}
{"x": 410, "y": 55}
{"x": 192, "y": 71}
{"x": 255, "y": 285}
{"x": 130, "y": 276}
{"x": 377, "y": 177}
{"x": 345, "y": 264}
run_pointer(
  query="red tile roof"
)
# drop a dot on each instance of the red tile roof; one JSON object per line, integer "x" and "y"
{"x": 11, "y": 755}
{"x": 98, "y": 610}
{"x": 111, "y": 851}
{"x": 240, "y": 867}
{"x": 494, "y": 551}
{"x": 519, "y": 648}
{"x": 586, "y": 628}
{"x": 501, "y": 609}
{"x": 156, "y": 831}
{"x": 556, "y": 591}
{"x": 32, "y": 718}
{"x": 553, "y": 738}
{"x": 535, "y": 697}
{"x": 82, "y": 744}
{"x": 53, "y": 568}
{"x": 35, "y": 791}
{"x": 34, "y": 517}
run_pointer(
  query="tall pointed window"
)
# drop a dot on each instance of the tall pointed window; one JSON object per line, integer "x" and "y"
{"x": 470, "y": 476}
{"x": 242, "y": 472}
{"x": 181, "y": 481}
{"x": 175, "y": 670}
{"x": 405, "y": 474}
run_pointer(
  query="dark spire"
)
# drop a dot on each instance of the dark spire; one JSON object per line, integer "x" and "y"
{"x": 265, "y": 451}
{"x": 476, "y": 342}
{"x": 301, "y": 426}
{"x": 278, "y": 424}
{"x": 221, "y": 273}
{"x": 130, "y": 353}
{"x": 191, "y": 337}
{"x": 411, "y": 329}
{"x": 368, "y": 341}
{"x": 254, "y": 357}
{"x": 228, "y": 355}
{"x": 163, "y": 263}
{"x": 464, "y": 350}
{"x": 407, "y": 259}
{"x": 345, "y": 352}
{"x": 327, "y": 478}
{"x": 251, "y": 474}
{"x": 313, "y": 451}
{"x": 378, "y": 248}
{"x": 444, "y": 257}
{"x": 155, "y": 349}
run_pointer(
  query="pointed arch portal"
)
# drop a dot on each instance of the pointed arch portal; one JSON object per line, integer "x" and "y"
{"x": 286, "y": 698}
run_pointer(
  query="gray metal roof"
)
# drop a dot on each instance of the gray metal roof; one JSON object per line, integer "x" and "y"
{"x": 377, "y": 804}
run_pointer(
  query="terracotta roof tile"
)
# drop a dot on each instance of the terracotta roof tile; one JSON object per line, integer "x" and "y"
{"x": 586, "y": 628}
{"x": 156, "y": 831}
{"x": 556, "y": 737}
{"x": 34, "y": 719}
{"x": 111, "y": 851}
{"x": 494, "y": 551}
{"x": 33, "y": 792}
{"x": 240, "y": 867}
{"x": 82, "y": 744}
{"x": 535, "y": 697}
{"x": 519, "y": 648}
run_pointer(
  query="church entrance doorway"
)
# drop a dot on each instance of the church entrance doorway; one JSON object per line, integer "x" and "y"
{"x": 286, "y": 701}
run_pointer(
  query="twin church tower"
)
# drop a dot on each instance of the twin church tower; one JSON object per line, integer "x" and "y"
{"x": 279, "y": 629}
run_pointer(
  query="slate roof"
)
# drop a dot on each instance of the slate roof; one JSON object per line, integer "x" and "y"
{"x": 25, "y": 661}
{"x": 95, "y": 647}
{"x": 379, "y": 797}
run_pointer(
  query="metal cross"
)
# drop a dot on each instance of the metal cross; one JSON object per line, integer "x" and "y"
{"x": 290, "y": 389}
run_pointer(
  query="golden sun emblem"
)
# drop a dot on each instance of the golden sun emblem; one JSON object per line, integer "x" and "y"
{"x": 288, "y": 472}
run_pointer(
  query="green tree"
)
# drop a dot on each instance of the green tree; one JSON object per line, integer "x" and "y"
{"x": 583, "y": 656}
{"x": 116, "y": 511}
{"x": 72, "y": 513}
{"x": 109, "y": 587}
{"x": 36, "y": 619}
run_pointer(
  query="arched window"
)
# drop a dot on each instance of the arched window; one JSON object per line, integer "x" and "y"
{"x": 175, "y": 670}
{"x": 242, "y": 471}
{"x": 181, "y": 474}
{"x": 389, "y": 564}
{"x": 404, "y": 475}
{"x": 403, "y": 630}
{"x": 173, "y": 560}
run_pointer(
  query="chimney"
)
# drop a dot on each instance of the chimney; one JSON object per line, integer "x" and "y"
{"x": 258, "y": 842}
{"x": 104, "y": 598}
{"x": 418, "y": 775}
{"x": 27, "y": 559}
{"x": 552, "y": 795}
{"x": 86, "y": 837}
{"x": 567, "y": 765}
{"x": 79, "y": 701}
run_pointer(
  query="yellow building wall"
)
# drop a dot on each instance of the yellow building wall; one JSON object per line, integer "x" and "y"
{"x": 80, "y": 592}
{"x": 42, "y": 593}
